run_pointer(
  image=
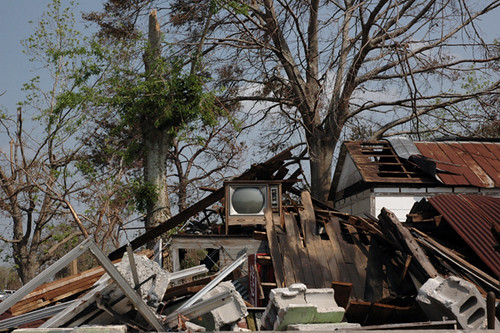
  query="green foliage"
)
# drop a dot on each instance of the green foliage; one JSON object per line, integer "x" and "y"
{"x": 145, "y": 195}
{"x": 169, "y": 99}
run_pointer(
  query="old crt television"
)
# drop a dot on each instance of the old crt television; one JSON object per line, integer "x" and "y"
{"x": 245, "y": 201}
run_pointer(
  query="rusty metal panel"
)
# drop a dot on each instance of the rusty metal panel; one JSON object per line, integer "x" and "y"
{"x": 472, "y": 217}
{"x": 437, "y": 152}
{"x": 489, "y": 162}
{"x": 465, "y": 165}
{"x": 469, "y": 163}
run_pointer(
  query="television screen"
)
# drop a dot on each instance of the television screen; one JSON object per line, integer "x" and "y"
{"x": 248, "y": 200}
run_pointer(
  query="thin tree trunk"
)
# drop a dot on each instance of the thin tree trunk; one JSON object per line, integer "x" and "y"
{"x": 156, "y": 142}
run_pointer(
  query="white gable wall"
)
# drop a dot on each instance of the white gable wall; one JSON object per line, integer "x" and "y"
{"x": 349, "y": 174}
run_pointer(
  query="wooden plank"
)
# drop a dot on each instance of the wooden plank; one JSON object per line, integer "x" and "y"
{"x": 376, "y": 273}
{"x": 360, "y": 255}
{"x": 57, "y": 290}
{"x": 288, "y": 259}
{"x": 294, "y": 248}
{"x": 347, "y": 259}
{"x": 406, "y": 239}
{"x": 343, "y": 274}
{"x": 326, "y": 252}
{"x": 274, "y": 248}
{"x": 303, "y": 261}
{"x": 321, "y": 270}
{"x": 318, "y": 269}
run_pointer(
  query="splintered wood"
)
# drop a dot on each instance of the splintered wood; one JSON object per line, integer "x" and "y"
{"x": 302, "y": 254}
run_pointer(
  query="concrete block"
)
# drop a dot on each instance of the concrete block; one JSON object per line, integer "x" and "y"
{"x": 453, "y": 298}
{"x": 224, "y": 316}
{"x": 299, "y": 305}
{"x": 152, "y": 291}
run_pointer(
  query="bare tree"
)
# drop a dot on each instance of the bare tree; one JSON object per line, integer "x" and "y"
{"x": 384, "y": 66}
{"x": 202, "y": 156}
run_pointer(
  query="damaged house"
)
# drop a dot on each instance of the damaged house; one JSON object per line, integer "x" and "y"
{"x": 283, "y": 260}
{"x": 398, "y": 172}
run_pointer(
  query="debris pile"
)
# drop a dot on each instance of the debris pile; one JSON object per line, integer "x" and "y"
{"x": 311, "y": 268}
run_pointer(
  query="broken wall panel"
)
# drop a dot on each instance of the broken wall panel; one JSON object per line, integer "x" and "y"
{"x": 316, "y": 259}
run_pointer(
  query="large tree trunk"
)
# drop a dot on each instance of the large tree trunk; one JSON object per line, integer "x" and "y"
{"x": 320, "y": 160}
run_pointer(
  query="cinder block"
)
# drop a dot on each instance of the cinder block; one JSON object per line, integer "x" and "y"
{"x": 299, "y": 305}
{"x": 453, "y": 298}
{"x": 228, "y": 314}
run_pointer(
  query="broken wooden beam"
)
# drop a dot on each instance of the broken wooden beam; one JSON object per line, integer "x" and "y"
{"x": 407, "y": 242}
{"x": 274, "y": 248}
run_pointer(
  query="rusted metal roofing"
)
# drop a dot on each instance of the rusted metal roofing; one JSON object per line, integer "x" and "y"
{"x": 472, "y": 217}
{"x": 467, "y": 163}
{"x": 457, "y": 163}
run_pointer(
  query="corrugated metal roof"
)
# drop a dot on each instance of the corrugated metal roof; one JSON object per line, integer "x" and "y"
{"x": 472, "y": 217}
{"x": 467, "y": 163}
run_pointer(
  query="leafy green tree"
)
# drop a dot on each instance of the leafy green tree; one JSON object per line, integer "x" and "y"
{"x": 39, "y": 176}
{"x": 167, "y": 122}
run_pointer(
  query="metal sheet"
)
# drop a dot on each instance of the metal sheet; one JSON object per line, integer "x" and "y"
{"x": 403, "y": 147}
{"x": 472, "y": 217}
{"x": 467, "y": 163}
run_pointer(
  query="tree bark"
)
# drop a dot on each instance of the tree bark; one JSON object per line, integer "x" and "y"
{"x": 321, "y": 152}
{"x": 156, "y": 144}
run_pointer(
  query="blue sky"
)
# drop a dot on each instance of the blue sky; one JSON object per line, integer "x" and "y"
{"x": 15, "y": 69}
